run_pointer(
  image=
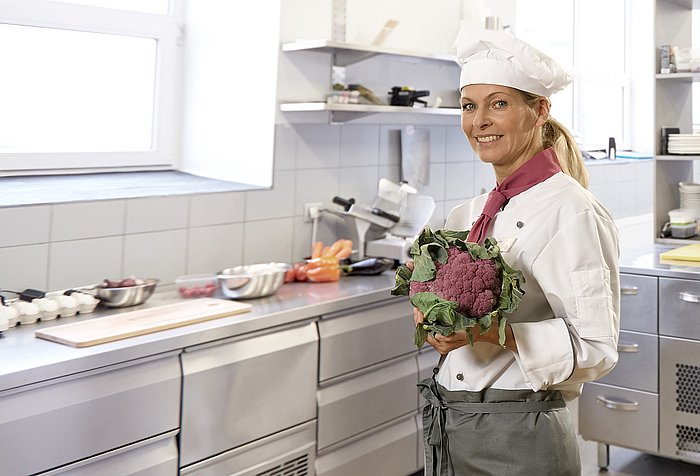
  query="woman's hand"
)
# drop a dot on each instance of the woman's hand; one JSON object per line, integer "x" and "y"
{"x": 444, "y": 344}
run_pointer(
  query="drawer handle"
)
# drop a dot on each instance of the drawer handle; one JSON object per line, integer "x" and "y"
{"x": 629, "y": 291}
{"x": 627, "y": 347}
{"x": 688, "y": 297}
{"x": 618, "y": 404}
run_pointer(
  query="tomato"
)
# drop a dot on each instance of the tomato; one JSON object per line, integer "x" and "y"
{"x": 300, "y": 272}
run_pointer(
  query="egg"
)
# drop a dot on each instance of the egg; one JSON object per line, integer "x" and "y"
{"x": 48, "y": 307}
{"x": 68, "y": 305}
{"x": 9, "y": 314}
{"x": 29, "y": 313}
{"x": 86, "y": 302}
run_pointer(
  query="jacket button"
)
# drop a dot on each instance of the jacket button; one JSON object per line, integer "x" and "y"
{"x": 520, "y": 224}
{"x": 460, "y": 377}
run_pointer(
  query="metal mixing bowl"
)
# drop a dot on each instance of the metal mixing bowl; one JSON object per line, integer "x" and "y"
{"x": 126, "y": 296}
{"x": 252, "y": 281}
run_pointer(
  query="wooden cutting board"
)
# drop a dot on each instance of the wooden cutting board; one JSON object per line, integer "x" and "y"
{"x": 144, "y": 321}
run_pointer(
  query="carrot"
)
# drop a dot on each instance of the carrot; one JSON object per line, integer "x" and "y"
{"x": 336, "y": 248}
{"x": 345, "y": 251}
{"x": 316, "y": 250}
{"x": 325, "y": 252}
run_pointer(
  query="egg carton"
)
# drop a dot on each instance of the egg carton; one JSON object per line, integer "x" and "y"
{"x": 31, "y": 305}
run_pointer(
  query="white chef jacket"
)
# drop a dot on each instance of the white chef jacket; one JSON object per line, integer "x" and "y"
{"x": 566, "y": 326}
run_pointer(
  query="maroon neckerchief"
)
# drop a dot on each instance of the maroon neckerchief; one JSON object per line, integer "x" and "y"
{"x": 538, "y": 169}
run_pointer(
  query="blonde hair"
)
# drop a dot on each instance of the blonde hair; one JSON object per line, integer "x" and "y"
{"x": 557, "y": 136}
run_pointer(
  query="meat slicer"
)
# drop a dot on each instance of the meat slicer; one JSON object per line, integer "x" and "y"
{"x": 387, "y": 228}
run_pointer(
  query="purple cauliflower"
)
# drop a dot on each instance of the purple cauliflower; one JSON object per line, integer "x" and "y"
{"x": 474, "y": 284}
{"x": 458, "y": 284}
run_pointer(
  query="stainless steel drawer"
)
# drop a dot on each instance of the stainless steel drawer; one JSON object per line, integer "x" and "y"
{"x": 679, "y": 405}
{"x": 637, "y": 366}
{"x": 388, "y": 451}
{"x": 679, "y": 308}
{"x": 352, "y": 405}
{"x": 619, "y": 416}
{"x": 245, "y": 389}
{"x": 152, "y": 457}
{"x": 290, "y": 453}
{"x": 638, "y": 303}
{"x": 61, "y": 421}
{"x": 365, "y": 336}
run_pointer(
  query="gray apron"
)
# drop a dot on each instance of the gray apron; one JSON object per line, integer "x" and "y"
{"x": 497, "y": 432}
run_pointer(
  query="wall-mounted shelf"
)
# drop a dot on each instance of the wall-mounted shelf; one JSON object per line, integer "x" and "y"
{"x": 691, "y": 77}
{"x": 348, "y": 112}
{"x": 347, "y": 53}
{"x": 678, "y": 157}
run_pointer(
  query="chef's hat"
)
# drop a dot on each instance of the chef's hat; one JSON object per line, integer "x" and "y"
{"x": 498, "y": 57}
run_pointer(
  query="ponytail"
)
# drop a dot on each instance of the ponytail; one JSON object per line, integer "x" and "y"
{"x": 556, "y": 136}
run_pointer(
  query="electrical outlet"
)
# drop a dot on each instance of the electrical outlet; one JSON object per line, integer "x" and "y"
{"x": 311, "y": 211}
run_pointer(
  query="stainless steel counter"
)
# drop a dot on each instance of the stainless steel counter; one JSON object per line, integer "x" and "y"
{"x": 645, "y": 260}
{"x": 25, "y": 359}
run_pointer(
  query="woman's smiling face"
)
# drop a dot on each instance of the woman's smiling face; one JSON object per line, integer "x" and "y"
{"x": 501, "y": 127}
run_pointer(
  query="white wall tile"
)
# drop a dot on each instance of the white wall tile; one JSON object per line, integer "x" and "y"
{"x": 24, "y": 267}
{"x": 360, "y": 183}
{"x": 329, "y": 229}
{"x": 25, "y": 225}
{"x": 457, "y": 148}
{"x": 213, "y": 248}
{"x": 459, "y": 180}
{"x": 269, "y": 240}
{"x": 160, "y": 255}
{"x": 154, "y": 214}
{"x": 217, "y": 208}
{"x": 84, "y": 262}
{"x": 359, "y": 145}
{"x": 277, "y": 202}
{"x": 437, "y": 144}
{"x": 74, "y": 221}
{"x": 312, "y": 186}
{"x": 317, "y": 146}
{"x": 597, "y": 174}
{"x": 484, "y": 177}
{"x": 285, "y": 147}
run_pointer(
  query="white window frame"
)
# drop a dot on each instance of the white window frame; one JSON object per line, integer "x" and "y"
{"x": 165, "y": 29}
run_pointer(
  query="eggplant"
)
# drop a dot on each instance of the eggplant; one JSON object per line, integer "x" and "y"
{"x": 368, "y": 267}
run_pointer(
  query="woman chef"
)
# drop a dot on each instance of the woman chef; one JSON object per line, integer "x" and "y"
{"x": 501, "y": 410}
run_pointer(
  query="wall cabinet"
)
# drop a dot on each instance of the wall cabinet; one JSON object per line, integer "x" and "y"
{"x": 673, "y": 108}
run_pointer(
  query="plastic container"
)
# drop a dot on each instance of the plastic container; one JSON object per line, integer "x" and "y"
{"x": 684, "y": 231}
{"x": 196, "y": 285}
{"x": 683, "y": 223}
{"x": 681, "y": 216}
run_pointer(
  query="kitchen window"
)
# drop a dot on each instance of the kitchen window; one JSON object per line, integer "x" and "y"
{"x": 88, "y": 85}
{"x": 589, "y": 37}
